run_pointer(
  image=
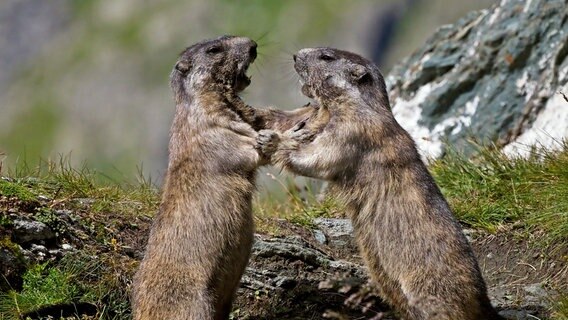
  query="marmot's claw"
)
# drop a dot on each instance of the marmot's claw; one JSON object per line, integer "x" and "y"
{"x": 267, "y": 142}
{"x": 302, "y": 135}
{"x": 299, "y": 126}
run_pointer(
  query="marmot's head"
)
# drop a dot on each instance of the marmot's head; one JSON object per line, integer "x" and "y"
{"x": 211, "y": 64}
{"x": 328, "y": 73}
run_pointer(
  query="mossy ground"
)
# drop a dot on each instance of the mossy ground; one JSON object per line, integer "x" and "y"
{"x": 108, "y": 223}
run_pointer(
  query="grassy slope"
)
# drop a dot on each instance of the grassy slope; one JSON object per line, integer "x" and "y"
{"x": 492, "y": 190}
{"x": 489, "y": 192}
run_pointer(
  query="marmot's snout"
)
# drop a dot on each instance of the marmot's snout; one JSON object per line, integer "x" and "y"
{"x": 252, "y": 50}
{"x": 245, "y": 46}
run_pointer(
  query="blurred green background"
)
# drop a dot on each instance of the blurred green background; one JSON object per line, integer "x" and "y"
{"x": 88, "y": 79}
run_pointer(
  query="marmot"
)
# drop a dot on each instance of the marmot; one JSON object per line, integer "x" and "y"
{"x": 405, "y": 229}
{"x": 201, "y": 238}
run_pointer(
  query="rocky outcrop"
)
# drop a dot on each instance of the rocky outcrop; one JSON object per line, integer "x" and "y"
{"x": 493, "y": 76}
{"x": 292, "y": 277}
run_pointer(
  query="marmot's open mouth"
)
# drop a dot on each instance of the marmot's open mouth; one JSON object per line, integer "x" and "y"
{"x": 242, "y": 80}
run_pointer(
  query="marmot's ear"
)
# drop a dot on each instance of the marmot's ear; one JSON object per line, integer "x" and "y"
{"x": 183, "y": 67}
{"x": 359, "y": 73}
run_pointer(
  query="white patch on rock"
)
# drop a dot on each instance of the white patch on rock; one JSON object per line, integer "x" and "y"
{"x": 547, "y": 131}
{"x": 408, "y": 113}
{"x": 520, "y": 83}
{"x": 495, "y": 15}
{"x": 525, "y": 87}
{"x": 458, "y": 123}
{"x": 429, "y": 142}
{"x": 472, "y": 51}
{"x": 425, "y": 58}
{"x": 470, "y": 109}
{"x": 527, "y": 6}
{"x": 546, "y": 61}
{"x": 563, "y": 75}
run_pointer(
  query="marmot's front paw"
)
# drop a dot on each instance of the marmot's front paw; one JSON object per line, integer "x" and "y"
{"x": 301, "y": 135}
{"x": 267, "y": 142}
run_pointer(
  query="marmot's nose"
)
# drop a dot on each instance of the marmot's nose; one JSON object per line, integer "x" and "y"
{"x": 294, "y": 57}
{"x": 252, "y": 50}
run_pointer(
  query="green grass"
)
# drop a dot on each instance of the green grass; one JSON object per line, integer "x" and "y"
{"x": 75, "y": 279}
{"x": 492, "y": 190}
{"x": 293, "y": 203}
{"x": 560, "y": 308}
{"x": 42, "y": 286}
{"x": 59, "y": 180}
{"x": 101, "y": 209}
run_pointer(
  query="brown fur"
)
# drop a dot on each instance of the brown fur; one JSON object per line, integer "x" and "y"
{"x": 201, "y": 237}
{"x": 273, "y": 119}
{"x": 407, "y": 234}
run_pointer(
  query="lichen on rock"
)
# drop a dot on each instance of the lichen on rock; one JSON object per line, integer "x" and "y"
{"x": 493, "y": 76}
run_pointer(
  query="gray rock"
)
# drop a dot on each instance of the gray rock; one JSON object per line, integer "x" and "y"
{"x": 536, "y": 295}
{"x": 295, "y": 248}
{"x": 39, "y": 252}
{"x": 38, "y": 248}
{"x": 56, "y": 253}
{"x": 469, "y": 234}
{"x": 491, "y": 75}
{"x": 272, "y": 261}
{"x": 517, "y": 314}
{"x": 282, "y": 272}
{"x": 26, "y": 231}
{"x": 536, "y": 290}
{"x": 284, "y": 282}
{"x": 320, "y": 236}
{"x": 339, "y": 231}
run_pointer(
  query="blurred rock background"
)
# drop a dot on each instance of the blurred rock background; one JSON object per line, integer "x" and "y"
{"x": 88, "y": 79}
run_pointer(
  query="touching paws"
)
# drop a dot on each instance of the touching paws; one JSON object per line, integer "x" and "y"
{"x": 267, "y": 142}
{"x": 300, "y": 133}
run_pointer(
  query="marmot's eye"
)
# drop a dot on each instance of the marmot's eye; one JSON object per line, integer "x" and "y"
{"x": 326, "y": 57}
{"x": 214, "y": 49}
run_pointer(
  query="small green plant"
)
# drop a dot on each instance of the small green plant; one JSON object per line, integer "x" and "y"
{"x": 5, "y": 221}
{"x": 43, "y": 286}
{"x": 305, "y": 216}
{"x": 14, "y": 189}
{"x": 6, "y": 243}
{"x": 50, "y": 218}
